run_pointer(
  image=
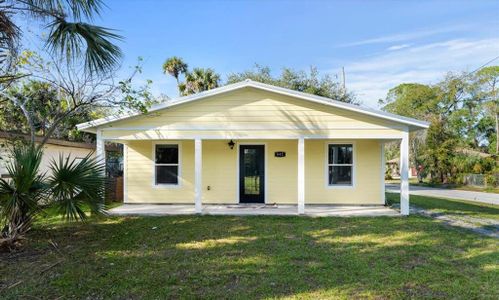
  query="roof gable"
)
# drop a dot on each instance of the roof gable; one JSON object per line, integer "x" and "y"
{"x": 412, "y": 123}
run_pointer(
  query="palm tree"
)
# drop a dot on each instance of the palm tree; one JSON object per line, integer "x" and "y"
{"x": 71, "y": 186}
{"x": 175, "y": 66}
{"x": 69, "y": 34}
{"x": 200, "y": 80}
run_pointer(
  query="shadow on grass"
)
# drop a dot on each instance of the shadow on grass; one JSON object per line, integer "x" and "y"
{"x": 257, "y": 257}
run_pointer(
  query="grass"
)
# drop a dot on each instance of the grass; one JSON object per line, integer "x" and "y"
{"x": 450, "y": 206}
{"x": 414, "y": 181}
{"x": 252, "y": 257}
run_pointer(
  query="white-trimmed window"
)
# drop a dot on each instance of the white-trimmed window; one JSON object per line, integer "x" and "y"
{"x": 340, "y": 165}
{"x": 166, "y": 164}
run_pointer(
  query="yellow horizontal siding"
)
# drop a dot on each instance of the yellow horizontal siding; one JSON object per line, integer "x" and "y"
{"x": 250, "y": 109}
{"x": 140, "y": 180}
{"x": 282, "y": 172}
{"x": 220, "y": 173}
{"x": 367, "y": 175}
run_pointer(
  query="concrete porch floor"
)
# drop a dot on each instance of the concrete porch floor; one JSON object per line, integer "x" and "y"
{"x": 253, "y": 210}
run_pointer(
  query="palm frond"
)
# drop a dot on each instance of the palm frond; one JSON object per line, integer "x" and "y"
{"x": 68, "y": 39}
{"x": 78, "y": 9}
{"x": 22, "y": 194}
{"x": 175, "y": 66}
{"x": 75, "y": 184}
{"x": 9, "y": 36}
{"x": 84, "y": 8}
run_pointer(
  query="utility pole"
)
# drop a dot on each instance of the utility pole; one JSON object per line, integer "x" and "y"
{"x": 343, "y": 85}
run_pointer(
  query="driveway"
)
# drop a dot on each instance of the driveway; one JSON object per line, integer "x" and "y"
{"x": 482, "y": 197}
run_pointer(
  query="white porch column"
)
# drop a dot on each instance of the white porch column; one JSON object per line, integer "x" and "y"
{"x": 301, "y": 175}
{"x": 100, "y": 149}
{"x": 198, "y": 174}
{"x": 383, "y": 171}
{"x": 125, "y": 173}
{"x": 100, "y": 155}
{"x": 404, "y": 174}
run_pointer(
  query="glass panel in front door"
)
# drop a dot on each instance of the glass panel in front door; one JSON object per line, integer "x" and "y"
{"x": 251, "y": 172}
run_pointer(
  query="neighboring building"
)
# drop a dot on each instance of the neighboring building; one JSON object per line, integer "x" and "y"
{"x": 251, "y": 142}
{"x": 393, "y": 166}
{"x": 52, "y": 149}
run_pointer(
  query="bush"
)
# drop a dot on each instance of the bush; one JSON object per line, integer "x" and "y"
{"x": 72, "y": 185}
{"x": 458, "y": 179}
{"x": 490, "y": 180}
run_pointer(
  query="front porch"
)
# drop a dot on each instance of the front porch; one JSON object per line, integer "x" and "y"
{"x": 253, "y": 210}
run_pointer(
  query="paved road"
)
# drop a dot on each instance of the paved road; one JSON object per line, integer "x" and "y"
{"x": 489, "y": 198}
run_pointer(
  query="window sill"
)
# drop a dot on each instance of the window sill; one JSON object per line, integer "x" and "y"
{"x": 339, "y": 186}
{"x": 166, "y": 186}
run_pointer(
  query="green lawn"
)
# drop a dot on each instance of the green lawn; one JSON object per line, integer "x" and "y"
{"x": 450, "y": 206}
{"x": 414, "y": 181}
{"x": 252, "y": 257}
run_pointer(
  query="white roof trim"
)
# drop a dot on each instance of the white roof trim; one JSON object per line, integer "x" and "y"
{"x": 89, "y": 126}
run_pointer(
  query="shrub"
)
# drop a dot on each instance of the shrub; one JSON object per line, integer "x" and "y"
{"x": 491, "y": 180}
{"x": 458, "y": 179}
{"x": 71, "y": 186}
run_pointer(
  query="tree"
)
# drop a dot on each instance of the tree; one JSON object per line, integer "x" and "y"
{"x": 61, "y": 93}
{"x": 175, "y": 66}
{"x": 71, "y": 186}
{"x": 488, "y": 80}
{"x": 462, "y": 110}
{"x": 42, "y": 105}
{"x": 411, "y": 99}
{"x": 69, "y": 34}
{"x": 439, "y": 153}
{"x": 200, "y": 80}
{"x": 301, "y": 81}
{"x": 417, "y": 101}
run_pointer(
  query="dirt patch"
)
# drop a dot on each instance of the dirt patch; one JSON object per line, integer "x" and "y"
{"x": 417, "y": 291}
{"x": 24, "y": 254}
{"x": 415, "y": 262}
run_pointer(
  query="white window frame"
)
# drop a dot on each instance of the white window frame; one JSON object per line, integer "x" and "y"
{"x": 327, "y": 165}
{"x": 179, "y": 165}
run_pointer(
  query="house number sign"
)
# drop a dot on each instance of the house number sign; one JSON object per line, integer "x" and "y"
{"x": 279, "y": 154}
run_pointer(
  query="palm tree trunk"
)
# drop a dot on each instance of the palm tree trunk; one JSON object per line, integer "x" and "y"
{"x": 178, "y": 86}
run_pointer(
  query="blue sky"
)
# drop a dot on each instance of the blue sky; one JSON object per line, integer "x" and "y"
{"x": 380, "y": 43}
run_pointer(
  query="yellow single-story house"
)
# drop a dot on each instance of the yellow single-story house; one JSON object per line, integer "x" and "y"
{"x": 251, "y": 142}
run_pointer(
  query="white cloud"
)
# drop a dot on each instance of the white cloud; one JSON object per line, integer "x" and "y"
{"x": 372, "y": 77}
{"x": 402, "y": 37}
{"x": 398, "y": 47}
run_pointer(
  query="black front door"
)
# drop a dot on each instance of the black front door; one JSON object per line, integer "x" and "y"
{"x": 252, "y": 174}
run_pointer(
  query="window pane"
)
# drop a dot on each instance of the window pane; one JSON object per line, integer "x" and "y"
{"x": 341, "y": 175}
{"x": 340, "y": 154}
{"x": 167, "y": 154}
{"x": 252, "y": 185}
{"x": 166, "y": 174}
